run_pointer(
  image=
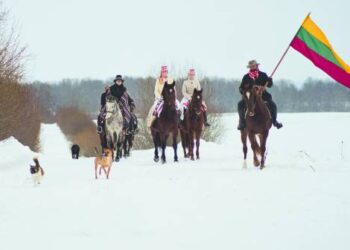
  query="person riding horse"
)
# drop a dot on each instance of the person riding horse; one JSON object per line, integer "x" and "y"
{"x": 125, "y": 102}
{"x": 256, "y": 77}
{"x": 188, "y": 88}
{"x": 162, "y": 80}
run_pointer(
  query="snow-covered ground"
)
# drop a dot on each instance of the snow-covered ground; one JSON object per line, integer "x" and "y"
{"x": 300, "y": 201}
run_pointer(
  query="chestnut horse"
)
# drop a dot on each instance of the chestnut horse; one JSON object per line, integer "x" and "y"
{"x": 193, "y": 125}
{"x": 167, "y": 123}
{"x": 258, "y": 124}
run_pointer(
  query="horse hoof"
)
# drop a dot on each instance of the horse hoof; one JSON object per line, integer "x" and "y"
{"x": 256, "y": 163}
{"x": 156, "y": 159}
{"x": 262, "y": 167}
{"x": 192, "y": 158}
{"x": 163, "y": 161}
{"x": 176, "y": 160}
{"x": 197, "y": 157}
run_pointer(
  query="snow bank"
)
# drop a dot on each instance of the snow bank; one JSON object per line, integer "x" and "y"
{"x": 209, "y": 204}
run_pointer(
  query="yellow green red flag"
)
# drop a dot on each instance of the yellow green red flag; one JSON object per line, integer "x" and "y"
{"x": 313, "y": 44}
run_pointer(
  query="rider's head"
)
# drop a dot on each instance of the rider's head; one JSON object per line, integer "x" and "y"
{"x": 118, "y": 80}
{"x": 191, "y": 74}
{"x": 253, "y": 65}
{"x": 164, "y": 72}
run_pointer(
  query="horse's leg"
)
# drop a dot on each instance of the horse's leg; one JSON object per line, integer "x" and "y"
{"x": 244, "y": 136}
{"x": 183, "y": 142}
{"x": 118, "y": 142}
{"x": 119, "y": 148}
{"x": 254, "y": 148}
{"x": 125, "y": 147}
{"x": 131, "y": 144}
{"x": 176, "y": 159}
{"x": 155, "y": 136}
{"x": 163, "y": 140}
{"x": 198, "y": 139}
{"x": 263, "y": 140}
{"x": 191, "y": 145}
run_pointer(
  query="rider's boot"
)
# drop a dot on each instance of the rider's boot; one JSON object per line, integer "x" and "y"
{"x": 206, "y": 119}
{"x": 273, "y": 110}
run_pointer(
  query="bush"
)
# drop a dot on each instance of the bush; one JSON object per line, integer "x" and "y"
{"x": 19, "y": 116}
{"x": 79, "y": 129}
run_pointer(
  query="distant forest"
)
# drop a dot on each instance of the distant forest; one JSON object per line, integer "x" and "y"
{"x": 221, "y": 95}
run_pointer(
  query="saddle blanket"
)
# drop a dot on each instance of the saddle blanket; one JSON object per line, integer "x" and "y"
{"x": 159, "y": 108}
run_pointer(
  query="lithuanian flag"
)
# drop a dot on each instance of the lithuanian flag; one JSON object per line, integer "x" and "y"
{"x": 313, "y": 44}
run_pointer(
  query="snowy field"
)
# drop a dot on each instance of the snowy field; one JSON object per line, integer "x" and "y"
{"x": 301, "y": 200}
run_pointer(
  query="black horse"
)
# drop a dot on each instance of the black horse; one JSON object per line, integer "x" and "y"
{"x": 166, "y": 123}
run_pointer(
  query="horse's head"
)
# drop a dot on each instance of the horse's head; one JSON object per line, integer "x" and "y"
{"x": 251, "y": 96}
{"x": 169, "y": 95}
{"x": 197, "y": 100}
{"x": 111, "y": 106}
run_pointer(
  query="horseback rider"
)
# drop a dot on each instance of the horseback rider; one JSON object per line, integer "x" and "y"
{"x": 158, "y": 89}
{"x": 257, "y": 77}
{"x": 188, "y": 88}
{"x": 125, "y": 102}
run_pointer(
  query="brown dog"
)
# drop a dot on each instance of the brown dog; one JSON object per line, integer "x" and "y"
{"x": 104, "y": 162}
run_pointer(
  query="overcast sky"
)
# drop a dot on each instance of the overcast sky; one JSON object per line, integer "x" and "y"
{"x": 100, "y": 38}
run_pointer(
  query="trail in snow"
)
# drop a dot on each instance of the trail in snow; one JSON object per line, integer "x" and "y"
{"x": 206, "y": 204}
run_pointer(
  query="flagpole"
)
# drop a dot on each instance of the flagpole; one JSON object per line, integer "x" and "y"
{"x": 285, "y": 52}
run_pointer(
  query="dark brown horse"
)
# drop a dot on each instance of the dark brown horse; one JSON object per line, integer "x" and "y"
{"x": 258, "y": 124}
{"x": 193, "y": 125}
{"x": 167, "y": 123}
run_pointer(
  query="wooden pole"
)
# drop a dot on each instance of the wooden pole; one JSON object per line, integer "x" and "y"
{"x": 285, "y": 52}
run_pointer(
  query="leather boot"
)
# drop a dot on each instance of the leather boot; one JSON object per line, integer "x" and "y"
{"x": 206, "y": 124}
{"x": 273, "y": 110}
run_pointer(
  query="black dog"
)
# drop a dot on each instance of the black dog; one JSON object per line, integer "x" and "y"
{"x": 75, "y": 151}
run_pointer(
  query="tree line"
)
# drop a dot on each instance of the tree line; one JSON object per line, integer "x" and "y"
{"x": 221, "y": 95}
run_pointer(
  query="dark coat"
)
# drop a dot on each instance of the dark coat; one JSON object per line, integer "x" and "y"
{"x": 248, "y": 82}
{"x": 118, "y": 91}
{"x": 103, "y": 99}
